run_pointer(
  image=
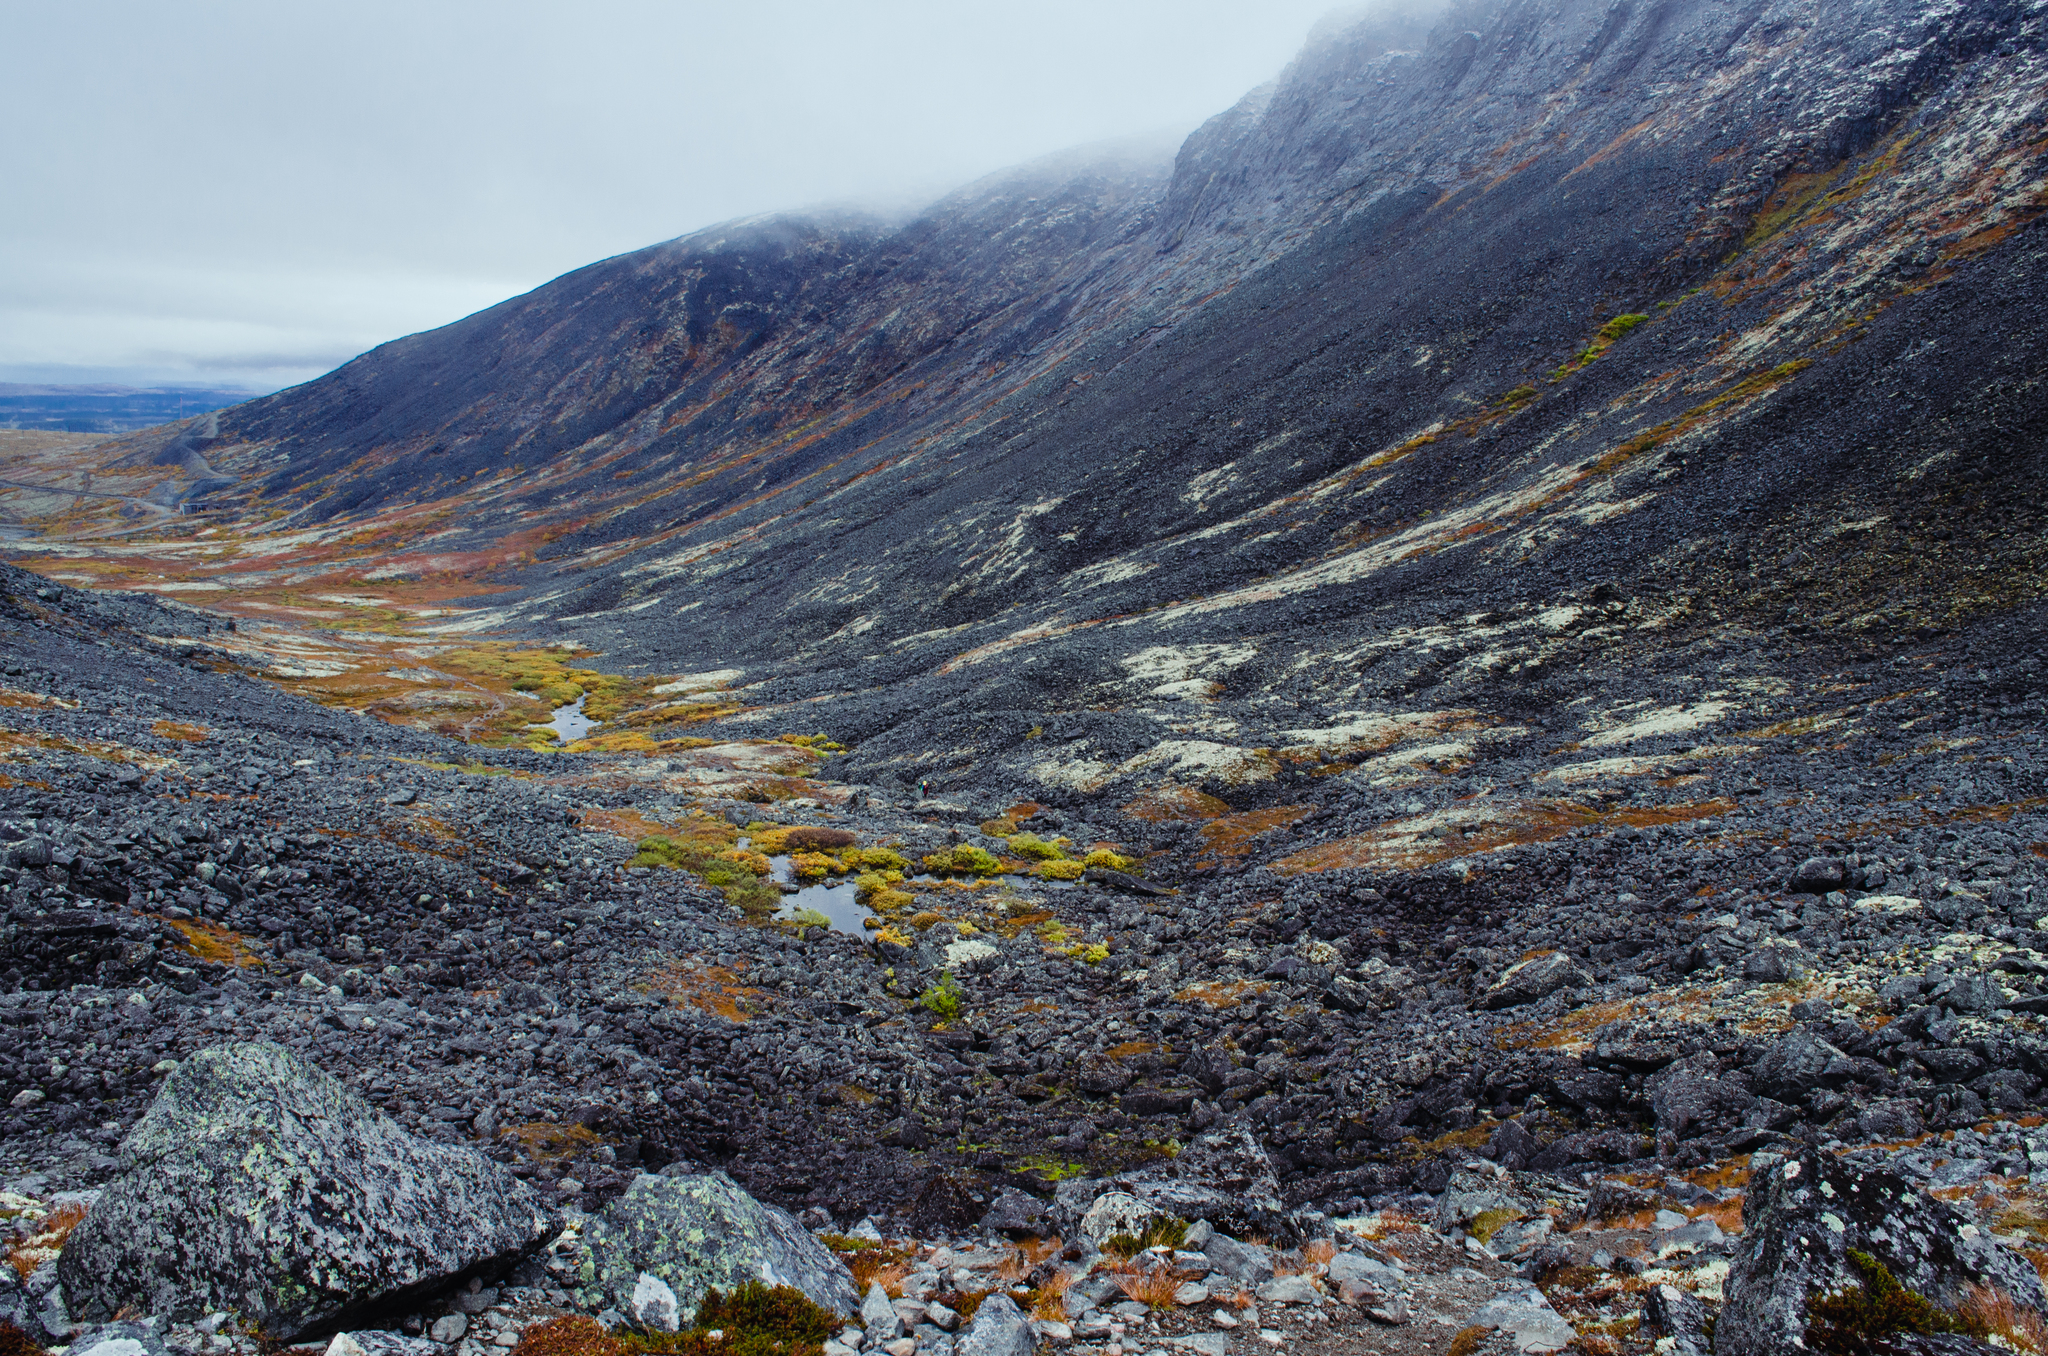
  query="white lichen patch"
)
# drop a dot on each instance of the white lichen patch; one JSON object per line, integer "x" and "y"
{"x": 708, "y": 681}
{"x": 1668, "y": 720}
{"x": 1161, "y": 664}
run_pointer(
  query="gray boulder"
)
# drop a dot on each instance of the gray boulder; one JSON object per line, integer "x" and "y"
{"x": 1223, "y": 1176}
{"x": 1691, "y": 1099}
{"x": 1535, "y": 978}
{"x": 1793, "y": 1065}
{"x": 999, "y": 1329}
{"x": 1818, "y": 875}
{"x": 1245, "y": 1263}
{"x": 1678, "y": 1318}
{"x": 1969, "y": 993}
{"x": 699, "y": 1232}
{"x": 1019, "y": 1213}
{"x": 259, "y": 1185}
{"x": 1800, "y": 1220}
{"x": 1773, "y": 965}
{"x": 119, "y": 1339}
{"x": 1470, "y": 1194}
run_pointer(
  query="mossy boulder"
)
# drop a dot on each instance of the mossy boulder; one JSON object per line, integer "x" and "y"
{"x": 1803, "y": 1218}
{"x": 260, "y": 1186}
{"x": 699, "y": 1232}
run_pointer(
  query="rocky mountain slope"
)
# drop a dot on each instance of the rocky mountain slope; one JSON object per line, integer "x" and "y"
{"x": 1484, "y": 620}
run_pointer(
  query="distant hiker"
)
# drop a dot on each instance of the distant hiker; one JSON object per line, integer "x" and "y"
{"x": 924, "y": 788}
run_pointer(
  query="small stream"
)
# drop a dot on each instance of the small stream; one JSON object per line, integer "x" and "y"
{"x": 569, "y": 723}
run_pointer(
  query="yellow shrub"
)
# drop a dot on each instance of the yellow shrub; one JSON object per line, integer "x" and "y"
{"x": 925, "y": 919}
{"x": 875, "y": 859}
{"x": 1032, "y": 846}
{"x": 1104, "y": 859}
{"x": 964, "y": 860}
{"x": 814, "y": 866}
{"x": 890, "y": 901}
{"x": 998, "y": 828}
{"x": 752, "y": 861}
{"x": 1060, "y": 870}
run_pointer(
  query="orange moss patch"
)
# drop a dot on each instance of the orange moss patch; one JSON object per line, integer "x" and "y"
{"x": 1231, "y": 835}
{"x": 715, "y": 989}
{"x": 630, "y": 825}
{"x": 12, "y": 741}
{"x": 545, "y": 1141}
{"x": 212, "y": 942}
{"x": 15, "y": 697}
{"x": 1175, "y": 803}
{"x": 1128, "y": 1048}
{"x": 172, "y": 729}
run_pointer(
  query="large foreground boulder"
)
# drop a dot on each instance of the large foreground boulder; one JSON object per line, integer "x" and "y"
{"x": 700, "y": 1232}
{"x": 260, "y": 1186}
{"x": 1802, "y": 1218}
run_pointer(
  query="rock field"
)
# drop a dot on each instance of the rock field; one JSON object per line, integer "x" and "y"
{"x": 1421, "y": 731}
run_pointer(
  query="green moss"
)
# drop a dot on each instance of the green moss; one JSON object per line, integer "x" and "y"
{"x": 1847, "y": 1321}
{"x": 1059, "y": 870}
{"x": 1104, "y": 859}
{"x": 942, "y": 999}
{"x": 1030, "y": 845}
{"x": 1488, "y": 1222}
{"x": 965, "y": 860}
{"x": 1621, "y": 325}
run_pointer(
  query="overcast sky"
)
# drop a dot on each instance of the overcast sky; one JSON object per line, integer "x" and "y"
{"x": 252, "y": 193}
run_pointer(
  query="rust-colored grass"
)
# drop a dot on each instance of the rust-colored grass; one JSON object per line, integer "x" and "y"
{"x": 1995, "y": 1314}
{"x": 47, "y": 1241}
{"x": 885, "y": 1267}
{"x": 1175, "y": 803}
{"x": 569, "y": 1335}
{"x": 211, "y": 942}
{"x": 179, "y": 730}
{"x": 1227, "y": 837}
{"x": 1048, "y": 1301}
{"x": 1468, "y": 1340}
{"x": 1154, "y": 1289}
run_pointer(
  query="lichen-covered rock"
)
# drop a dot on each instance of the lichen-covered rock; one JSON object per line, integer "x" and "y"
{"x": 1116, "y": 1212}
{"x": 699, "y": 1232}
{"x": 999, "y": 1329}
{"x": 1471, "y": 1194}
{"x": 259, "y": 1185}
{"x": 1800, "y": 1220}
{"x": 1535, "y": 978}
{"x": 1224, "y": 1177}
